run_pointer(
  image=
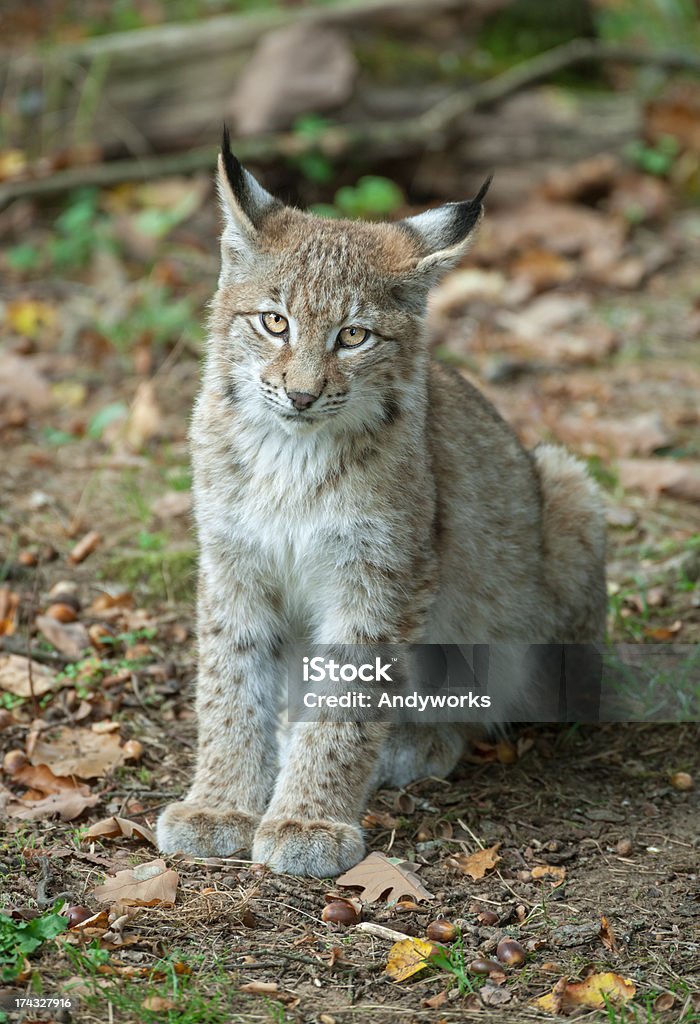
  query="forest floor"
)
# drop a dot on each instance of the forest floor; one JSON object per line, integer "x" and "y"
{"x": 580, "y": 318}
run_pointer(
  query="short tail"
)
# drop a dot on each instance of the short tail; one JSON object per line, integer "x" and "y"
{"x": 574, "y": 529}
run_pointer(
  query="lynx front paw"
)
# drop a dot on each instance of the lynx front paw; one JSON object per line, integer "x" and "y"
{"x": 203, "y": 831}
{"x": 317, "y": 848}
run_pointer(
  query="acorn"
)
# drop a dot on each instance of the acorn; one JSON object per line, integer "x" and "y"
{"x": 62, "y": 612}
{"x": 14, "y": 761}
{"x": 340, "y": 912}
{"x": 133, "y": 750}
{"x": 441, "y": 931}
{"x": 682, "y": 781}
{"x": 483, "y": 966}
{"x": 76, "y": 915}
{"x": 509, "y": 951}
{"x": 488, "y": 918}
{"x": 624, "y": 847}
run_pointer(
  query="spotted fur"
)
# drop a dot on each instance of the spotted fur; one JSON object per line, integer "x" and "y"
{"x": 397, "y": 507}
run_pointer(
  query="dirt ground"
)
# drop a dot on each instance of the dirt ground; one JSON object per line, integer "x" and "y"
{"x": 590, "y": 338}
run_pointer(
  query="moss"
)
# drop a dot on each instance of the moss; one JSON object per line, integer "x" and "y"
{"x": 167, "y": 575}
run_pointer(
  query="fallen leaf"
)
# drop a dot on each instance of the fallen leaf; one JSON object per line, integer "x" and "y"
{"x": 30, "y": 317}
{"x": 145, "y": 417}
{"x": 596, "y": 992}
{"x": 14, "y": 676}
{"x": 21, "y": 381}
{"x": 70, "y": 638}
{"x": 492, "y": 995}
{"x": 172, "y": 505}
{"x": 9, "y": 606}
{"x": 110, "y": 828}
{"x": 260, "y": 988}
{"x": 476, "y": 864}
{"x": 79, "y": 751}
{"x": 158, "y": 1004}
{"x": 407, "y": 957}
{"x": 436, "y": 1001}
{"x": 675, "y": 478}
{"x": 41, "y": 778}
{"x": 377, "y": 876}
{"x": 607, "y": 934}
{"x": 553, "y": 873}
{"x": 636, "y": 435}
{"x": 379, "y": 819}
{"x": 144, "y": 886}
{"x": 663, "y": 633}
{"x": 68, "y": 804}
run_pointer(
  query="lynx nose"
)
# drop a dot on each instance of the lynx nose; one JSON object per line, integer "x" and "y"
{"x": 301, "y": 399}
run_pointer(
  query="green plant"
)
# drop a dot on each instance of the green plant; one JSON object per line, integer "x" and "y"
{"x": 655, "y": 159}
{"x": 313, "y": 164}
{"x": 452, "y": 960}
{"x": 372, "y": 198}
{"x": 19, "y": 939}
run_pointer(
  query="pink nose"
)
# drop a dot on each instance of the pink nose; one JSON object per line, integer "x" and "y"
{"x": 301, "y": 399}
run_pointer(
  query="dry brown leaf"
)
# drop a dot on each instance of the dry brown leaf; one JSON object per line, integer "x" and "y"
{"x": 158, "y": 1004}
{"x": 379, "y": 819}
{"x": 144, "y": 886}
{"x": 596, "y": 992}
{"x": 675, "y": 478}
{"x": 636, "y": 435}
{"x": 436, "y": 1001}
{"x": 145, "y": 417}
{"x": 14, "y": 676}
{"x": 9, "y": 606}
{"x": 172, "y": 504}
{"x": 114, "y": 827}
{"x": 607, "y": 934}
{"x": 476, "y": 864}
{"x": 41, "y": 778}
{"x": 407, "y": 957}
{"x": 69, "y": 803}
{"x": 663, "y": 633}
{"x": 70, "y": 638}
{"x": 553, "y": 873}
{"x": 79, "y": 752}
{"x": 377, "y": 875}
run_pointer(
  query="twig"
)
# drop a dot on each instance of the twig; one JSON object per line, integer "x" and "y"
{"x": 15, "y": 645}
{"x": 380, "y": 931}
{"x": 427, "y": 130}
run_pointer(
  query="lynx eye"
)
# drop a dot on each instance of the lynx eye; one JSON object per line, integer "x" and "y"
{"x": 352, "y": 337}
{"x": 274, "y": 323}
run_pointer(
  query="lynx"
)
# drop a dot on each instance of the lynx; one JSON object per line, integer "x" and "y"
{"x": 350, "y": 490}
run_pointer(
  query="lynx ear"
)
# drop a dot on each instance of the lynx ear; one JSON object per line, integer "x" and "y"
{"x": 244, "y": 202}
{"x": 445, "y": 235}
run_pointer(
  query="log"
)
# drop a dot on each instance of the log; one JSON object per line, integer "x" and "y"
{"x": 610, "y": 122}
{"x": 169, "y": 86}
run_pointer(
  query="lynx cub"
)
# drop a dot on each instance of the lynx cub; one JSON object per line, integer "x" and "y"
{"x": 350, "y": 490}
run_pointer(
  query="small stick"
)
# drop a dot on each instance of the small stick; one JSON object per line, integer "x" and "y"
{"x": 380, "y": 931}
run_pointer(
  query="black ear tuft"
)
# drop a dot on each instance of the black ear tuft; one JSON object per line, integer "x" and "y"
{"x": 467, "y": 214}
{"x": 233, "y": 167}
{"x": 481, "y": 194}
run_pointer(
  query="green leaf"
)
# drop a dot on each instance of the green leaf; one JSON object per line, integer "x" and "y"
{"x": 102, "y": 419}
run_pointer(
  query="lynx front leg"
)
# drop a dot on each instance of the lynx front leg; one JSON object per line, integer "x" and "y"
{"x": 312, "y": 824}
{"x": 237, "y": 700}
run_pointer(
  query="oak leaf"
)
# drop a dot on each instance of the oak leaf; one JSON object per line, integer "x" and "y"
{"x": 378, "y": 875}
{"x": 549, "y": 872}
{"x": 79, "y": 752}
{"x": 14, "y": 676}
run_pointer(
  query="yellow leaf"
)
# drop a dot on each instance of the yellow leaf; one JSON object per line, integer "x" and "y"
{"x": 599, "y": 988}
{"x": 595, "y": 992}
{"x": 29, "y": 316}
{"x": 407, "y": 957}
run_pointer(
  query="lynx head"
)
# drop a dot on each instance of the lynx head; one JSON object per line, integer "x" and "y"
{"x": 318, "y": 323}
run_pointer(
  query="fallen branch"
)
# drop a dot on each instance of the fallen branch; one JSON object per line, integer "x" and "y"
{"x": 427, "y": 131}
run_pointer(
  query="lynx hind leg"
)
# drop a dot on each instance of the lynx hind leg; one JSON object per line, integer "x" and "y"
{"x": 574, "y": 544}
{"x": 413, "y": 752}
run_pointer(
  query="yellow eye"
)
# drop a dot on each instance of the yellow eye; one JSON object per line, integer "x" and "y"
{"x": 352, "y": 337}
{"x": 274, "y": 323}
